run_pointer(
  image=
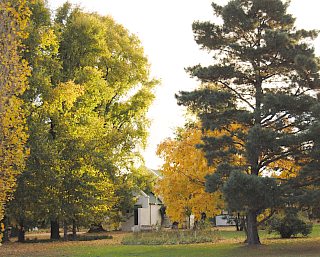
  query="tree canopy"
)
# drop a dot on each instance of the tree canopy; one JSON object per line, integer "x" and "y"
{"x": 89, "y": 93}
{"x": 183, "y": 177}
{"x": 266, "y": 72}
{"x": 14, "y": 16}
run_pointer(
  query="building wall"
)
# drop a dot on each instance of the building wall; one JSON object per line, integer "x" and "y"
{"x": 148, "y": 215}
{"x": 223, "y": 220}
{"x": 143, "y": 201}
{"x": 143, "y": 216}
{"x": 155, "y": 215}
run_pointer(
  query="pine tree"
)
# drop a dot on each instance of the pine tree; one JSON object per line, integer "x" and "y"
{"x": 265, "y": 71}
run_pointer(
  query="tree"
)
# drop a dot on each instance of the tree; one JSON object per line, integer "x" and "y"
{"x": 268, "y": 69}
{"x": 306, "y": 185}
{"x": 14, "y": 70}
{"x": 91, "y": 40}
{"x": 183, "y": 177}
{"x": 42, "y": 55}
{"x": 87, "y": 116}
{"x": 118, "y": 89}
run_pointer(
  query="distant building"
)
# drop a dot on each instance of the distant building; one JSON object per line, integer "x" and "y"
{"x": 146, "y": 213}
{"x": 224, "y": 219}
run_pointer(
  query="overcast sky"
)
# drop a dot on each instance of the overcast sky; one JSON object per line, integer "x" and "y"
{"x": 164, "y": 28}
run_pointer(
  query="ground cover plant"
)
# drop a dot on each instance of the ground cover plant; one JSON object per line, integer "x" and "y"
{"x": 171, "y": 237}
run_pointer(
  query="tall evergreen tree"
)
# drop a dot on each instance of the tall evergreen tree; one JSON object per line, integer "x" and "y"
{"x": 306, "y": 186}
{"x": 265, "y": 71}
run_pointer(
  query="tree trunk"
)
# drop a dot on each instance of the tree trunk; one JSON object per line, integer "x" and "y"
{"x": 243, "y": 225}
{"x": 65, "y": 231}
{"x": 252, "y": 229}
{"x": 6, "y": 230}
{"x": 74, "y": 229}
{"x": 237, "y": 221}
{"x": 237, "y": 225}
{"x": 21, "y": 233}
{"x": 55, "y": 235}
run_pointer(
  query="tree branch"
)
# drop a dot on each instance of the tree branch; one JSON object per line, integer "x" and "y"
{"x": 273, "y": 121}
{"x": 192, "y": 179}
{"x": 237, "y": 93}
{"x": 265, "y": 162}
{"x": 266, "y": 218}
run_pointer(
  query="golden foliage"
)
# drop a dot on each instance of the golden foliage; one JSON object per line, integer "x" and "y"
{"x": 285, "y": 169}
{"x": 13, "y": 73}
{"x": 184, "y": 170}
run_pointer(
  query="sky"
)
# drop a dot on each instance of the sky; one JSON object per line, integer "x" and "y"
{"x": 164, "y": 29}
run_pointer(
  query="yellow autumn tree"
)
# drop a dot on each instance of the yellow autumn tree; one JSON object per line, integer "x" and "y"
{"x": 14, "y": 70}
{"x": 182, "y": 186}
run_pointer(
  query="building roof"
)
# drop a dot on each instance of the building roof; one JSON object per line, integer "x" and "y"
{"x": 157, "y": 173}
{"x": 153, "y": 199}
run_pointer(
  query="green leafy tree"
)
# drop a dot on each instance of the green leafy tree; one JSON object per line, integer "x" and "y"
{"x": 87, "y": 117}
{"x": 117, "y": 62}
{"x": 264, "y": 71}
{"x": 90, "y": 40}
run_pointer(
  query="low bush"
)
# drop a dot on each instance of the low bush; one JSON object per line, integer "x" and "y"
{"x": 85, "y": 237}
{"x": 90, "y": 237}
{"x": 171, "y": 237}
{"x": 289, "y": 223}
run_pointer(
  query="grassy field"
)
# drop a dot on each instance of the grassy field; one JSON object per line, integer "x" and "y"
{"x": 229, "y": 246}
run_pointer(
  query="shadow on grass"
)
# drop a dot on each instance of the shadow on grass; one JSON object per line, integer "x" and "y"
{"x": 293, "y": 247}
{"x": 70, "y": 238}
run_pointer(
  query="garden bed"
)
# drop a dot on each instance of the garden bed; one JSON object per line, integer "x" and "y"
{"x": 171, "y": 237}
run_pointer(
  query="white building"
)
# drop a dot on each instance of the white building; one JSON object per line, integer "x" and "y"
{"x": 146, "y": 214}
{"x": 224, "y": 219}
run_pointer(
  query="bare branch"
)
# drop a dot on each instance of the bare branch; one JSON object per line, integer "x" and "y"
{"x": 237, "y": 93}
{"x": 192, "y": 179}
{"x": 273, "y": 121}
{"x": 266, "y": 218}
{"x": 265, "y": 162}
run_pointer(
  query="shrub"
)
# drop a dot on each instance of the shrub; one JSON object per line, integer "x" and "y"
{"x": 171, "y": 237}
{"x": 289, "y": 223}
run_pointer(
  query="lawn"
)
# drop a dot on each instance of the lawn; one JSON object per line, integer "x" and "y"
{"x": 229, "y": 246}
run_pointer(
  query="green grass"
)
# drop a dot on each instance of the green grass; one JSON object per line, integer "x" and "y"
{"x": 158, "y": 251}
{"x": 315, "y": 231}
{"x": 263, "y": 234}
{"x": 287, "y": 248}
{"x": 230, "y": 246}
